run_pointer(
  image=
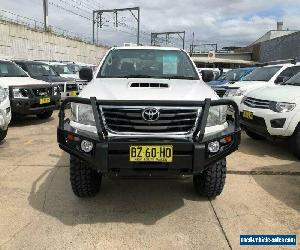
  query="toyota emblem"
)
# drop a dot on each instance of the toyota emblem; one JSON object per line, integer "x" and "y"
{"x": 150, "y": 114}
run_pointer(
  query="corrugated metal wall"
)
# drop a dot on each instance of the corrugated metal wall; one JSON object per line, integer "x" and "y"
{"x": 17, "y": 41}
{"x": 281, "y": 48}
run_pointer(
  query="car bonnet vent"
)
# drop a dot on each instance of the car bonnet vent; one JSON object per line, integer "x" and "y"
{"x": 148, "y": 85}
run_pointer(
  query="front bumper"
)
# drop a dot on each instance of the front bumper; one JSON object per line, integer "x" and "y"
{"x": 5, "y": 114}
{"x": 111, "y": 154}
{"x": 264, "y": 119}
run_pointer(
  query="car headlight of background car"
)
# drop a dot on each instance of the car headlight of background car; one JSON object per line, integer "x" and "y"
{"x": 3, "y": 94}
{"x": 83, "y": 114}
{"x": 20, "y": 93}
{"x": 235, "y": 92}
{"x": 216, "y": 116}
{"x": 282, "y": 107}
{"x": 56, "y": 90}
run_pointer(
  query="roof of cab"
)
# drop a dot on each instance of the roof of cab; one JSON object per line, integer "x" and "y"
{"x": 146, "y": 47}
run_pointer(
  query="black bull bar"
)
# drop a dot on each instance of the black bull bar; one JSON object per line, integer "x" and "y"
{"x": 101, "y": 140}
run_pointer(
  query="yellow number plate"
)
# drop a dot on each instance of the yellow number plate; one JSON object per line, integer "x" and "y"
{"x": 45, "y": 100}
{"x": 73, "y": 93}
{"x": 151, "y": 153}
{"x": 248, "y": 115}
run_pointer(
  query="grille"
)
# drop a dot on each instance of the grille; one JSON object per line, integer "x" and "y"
{"x": 148, "y": 85}
{"x": 220, "y": 92}
{"x": 71, "y": 87}
{"x": 130, "y": 120}
{"x": 42, "y": 91}
{"x": 257, "y": 103}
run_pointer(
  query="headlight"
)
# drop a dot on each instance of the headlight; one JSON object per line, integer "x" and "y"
{"x": 83, "y": 113}
{"x": 56, "y": 90}
{"x": 235, "y": 92}
{"x": 282, "y": 107}
{"x": 3, "y": 94}
{"x": 20, "y": 93}
{"x": 216, "y": 116}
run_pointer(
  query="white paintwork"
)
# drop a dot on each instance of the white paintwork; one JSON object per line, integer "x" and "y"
{"x": 5, "y": 116}
{"x": 119, "y": 89}
{"x": 248, "y": 86}
{"x": 284, "y": 93}
{"x": 20, "y": 81}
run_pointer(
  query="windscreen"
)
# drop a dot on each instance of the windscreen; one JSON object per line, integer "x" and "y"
{"x": 232, "y": 75}
{"x": 9, "y": 69}
{"x": 148, "y": 63}
{"x": 62, "y": 69}
{"x": 40, "y": 70}
{"x": 295, "y": 80}
{"x": 74, "y": 68}
{"x": 262, "y": 74}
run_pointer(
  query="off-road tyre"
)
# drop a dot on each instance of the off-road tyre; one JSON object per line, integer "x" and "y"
{"x": 3, "y": 134}
{"x": 254, "y": 136}
{"x": 210, "y": 183}
{"x": 45, "y": 115}
{"x": 85, "y": 181}
{"x": 295, "y": 142}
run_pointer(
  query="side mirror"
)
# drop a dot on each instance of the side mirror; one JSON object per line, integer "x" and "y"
{"x": 207, "y": 75}
{"x": 86, "y": 74}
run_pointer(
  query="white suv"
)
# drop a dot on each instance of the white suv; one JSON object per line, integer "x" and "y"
{"x": 5, "y": 112}
{"x": 274, "y": 112}
{"x": 146, "y": 111}
{"x": 266, "y": 76}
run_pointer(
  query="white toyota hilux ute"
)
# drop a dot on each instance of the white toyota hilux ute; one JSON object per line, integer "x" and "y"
{"x": 274, "y": 112}
{"x": 266, "y": 76}
{"x": 146, "y": 111}
{"x": 5, "y": 112}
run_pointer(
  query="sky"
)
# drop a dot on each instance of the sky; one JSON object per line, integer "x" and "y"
{"x": 226, "y": 22}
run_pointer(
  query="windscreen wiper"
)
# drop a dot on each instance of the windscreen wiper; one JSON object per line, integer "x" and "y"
{"x": 137, "y": 76}
{"x": 181, "y": 77}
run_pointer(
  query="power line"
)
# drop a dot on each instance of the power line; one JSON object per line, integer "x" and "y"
{"x": 69, "y": 11}
{"x": 74, "y": 6}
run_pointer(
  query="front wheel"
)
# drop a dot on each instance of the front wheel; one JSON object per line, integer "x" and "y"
{"x": 85, "y": 181}
{"x": 210, "y": 183}
{"x": 45, "y": 115}
{"x": 295, "y": 142}
{"x": 3, "y": 134}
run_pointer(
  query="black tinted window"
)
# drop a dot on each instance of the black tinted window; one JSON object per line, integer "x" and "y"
{"x": 289, "y": 72}
{"x": 262, "y": 74}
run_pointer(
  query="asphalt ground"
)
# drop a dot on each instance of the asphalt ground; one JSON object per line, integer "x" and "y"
{"x": 39, "y": 211}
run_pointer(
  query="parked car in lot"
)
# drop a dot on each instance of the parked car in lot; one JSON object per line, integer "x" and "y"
{"x": 77, "y": 66}
{"x": 5, "y": 112}
{"x": 63, "y": 70}
{"x": 216, "y": 72}
{"x": 266, "y": 76}
{"x": 230, "y": 76}
{"x": 28, "y": 96}
{"x": 274, "y": 112}
{"x": 147, "y": 111}
{"x": 43, "y": 71}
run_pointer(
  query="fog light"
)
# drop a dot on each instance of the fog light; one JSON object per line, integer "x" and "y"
{"x": 213, "y": 146}
{"x": 86, "y": 146}
{"x": 278, "y": 123}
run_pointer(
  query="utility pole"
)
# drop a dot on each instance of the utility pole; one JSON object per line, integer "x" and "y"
{"x": 192, "y": 45}
{"x": 166, "y": 35}
{"x": 45, "y": 8}
{"x": 98, "y": 21}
